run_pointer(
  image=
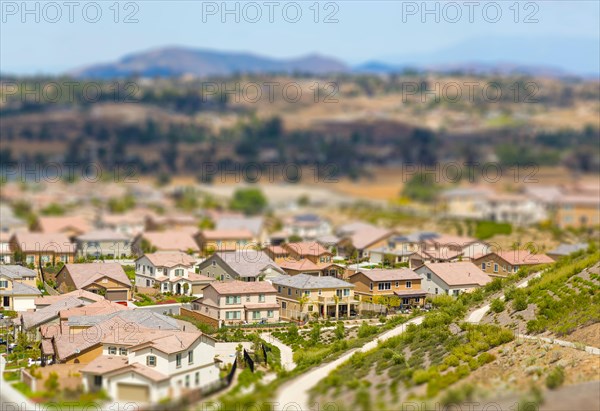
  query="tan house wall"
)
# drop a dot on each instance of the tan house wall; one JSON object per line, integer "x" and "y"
{"x": 86, "y": 356}
{"x": 362, "y": 286}
{"x": 577, "y": 216}
{"x": 504, "y": 269}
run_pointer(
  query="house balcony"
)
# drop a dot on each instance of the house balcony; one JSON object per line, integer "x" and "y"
{"x": 340, "y": 300}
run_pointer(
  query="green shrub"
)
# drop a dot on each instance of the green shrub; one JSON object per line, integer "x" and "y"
{"x": 520, "y": 303}
{"x": 497, "y": 305}
{"x": 555, "y": 378}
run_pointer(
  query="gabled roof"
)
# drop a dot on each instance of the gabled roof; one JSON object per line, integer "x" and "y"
{"x": 243, "y": 287}
{"x": 141, "y": 317}
{"x": 170, "y": 259}
{"x": 307, "y": 248}
{"x": 228, "y": 234}
{"x": 363, "y": 238}
{"x": 116, "y": 365}
{"x": 310, "y": 282}
{"x": 401, "y": 274}
{"x": 58, "y": 224}
{"x": 35, "y": 318}
{"x": 252, "y": 224}
{"x": 16, "y": 272}
{"x": 521, "y": 257}
{"x": 37, "y": 242}
{"x": 84, "y": 295}
{"x": 173, "y": 240}
{"x": 457, "y": 274}
{"x": 18, "y": 288}
{"x": 88, "y": 273}
{"x": 95, "y": 308}
{"x": 103, "y": 235}
{"x": 247, "y": 263}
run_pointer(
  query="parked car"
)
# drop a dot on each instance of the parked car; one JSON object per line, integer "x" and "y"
{"x": 31, "y": 362}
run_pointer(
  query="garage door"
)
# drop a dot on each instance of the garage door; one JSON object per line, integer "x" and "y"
{"x": 134, "y": 393}
{"x": 116, "y": 295}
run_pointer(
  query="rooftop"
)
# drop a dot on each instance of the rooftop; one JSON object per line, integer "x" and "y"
{"x": 310, "y": 282}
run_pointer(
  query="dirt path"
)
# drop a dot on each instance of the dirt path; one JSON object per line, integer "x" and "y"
{"x": 295, "y": 394}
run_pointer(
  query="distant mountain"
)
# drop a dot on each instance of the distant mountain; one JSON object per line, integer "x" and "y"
{"x": 178, "y": 61}
{"x": 532, "y": 55}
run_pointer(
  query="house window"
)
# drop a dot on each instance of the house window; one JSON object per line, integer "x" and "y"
{"x": 233, "y": 299}
{"x": 455, "y": 292}
{"x": 320, "y": 292}
{"x": 178, "y": 360}
{"x": 279, "y": 289}
{"x": 190, "y": 357}
{"x": 283, "y": 305}
{"x": 307, "y": 293}
{"x": 187, "y": 381}
{"x": 371, "y": 286}
{"x": 112, "y": 350}
{"x": 214, "y": 263}
{"x": 122, "y": 351}
{"x": 310, "y": 308}
{"x": 495, "y": 268}
{"x": 247, "y": 298}
{"x": 151, "y": 361}
{"x": 384, "y": 286}
{"x": 232, "y": 315}
{"x": 98, "y": 380}
{"x": 289, "y": 291}
{"x": 270, "y": 314}
{"x": 256, "y": 315}
{"x": 197, "y": 378}
{"x": 261, "y": 298}
{"x": 346, "y": 292}
{"x": 3, "y": 284}
{"x": 179, "y": 272}
{"x": 397, "y": 284}
{"x": 409, "y": 284}
{"x": 429, "y": 276}
{"x": 483, "y": 266}
{"x": 515, "y": 269}
{"x": 436, "y": 290}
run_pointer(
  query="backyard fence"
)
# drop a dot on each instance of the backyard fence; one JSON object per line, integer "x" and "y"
{"x": 249, "y": 360}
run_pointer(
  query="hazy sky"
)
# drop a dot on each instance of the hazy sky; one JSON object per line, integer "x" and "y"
{"x": 364, "y": 30}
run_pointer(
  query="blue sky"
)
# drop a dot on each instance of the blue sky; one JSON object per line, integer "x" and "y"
{"x": 366, "y": 30}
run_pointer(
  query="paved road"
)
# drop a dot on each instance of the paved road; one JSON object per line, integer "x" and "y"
{"x": 296, "y": 391}
{"x": 287, "y": 355}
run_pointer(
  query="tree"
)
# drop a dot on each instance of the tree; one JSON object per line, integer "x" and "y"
{"x": 250, "y": 201}
{"x": 497, "y": 305}
{"x": 339, "y": 331}
{"x": 51, "y": 384}
{"x": 294, "y": 238}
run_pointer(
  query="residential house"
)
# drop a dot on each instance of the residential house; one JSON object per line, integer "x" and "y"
{"x": 172, "y": 240}
{"x": 107, "y": 279}
{"x": 504, "y": 263}
{"x": 578, "y": 211}
{"x": 157, "y": 365}
{"x": 18, "y": 289}
{"x": 303, "y": 295}
{"x": 363, "y": 239}
{"x": 42, "y": 248}
{"x": 6, "y": 255}
{"x": 516, "y": 209}
{"x": 71, "y": 226}
{"x": 387, "y": 285}
{"x": 255, "y": 225}
{"x": 451, "y": 278}
{"x": 130, "y": 224}
{"x": 244, "y": 265}
{"x": 306, "y": 226}
{"x": 277, "y": 253}
{"x": 305, "y": 258}
{"x": 103, "y": 243}
{"x": 224, "y": 240}
{"x": 173, "y": 272}
{"x": 563, "y": 250}
{"x": 235, "y": 302}
{"x": 465, "y": 202}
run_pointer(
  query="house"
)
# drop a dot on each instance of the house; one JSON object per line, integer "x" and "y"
{"x": 71, "y": 226}
{"x": 18, "y": 289}
{"x": 255, "y": 225}
{"x": 381, "y": 284}
{"x": 504, "y": 263}
{"x": 305, "y": 257}
{"x": 512, "y": 208}
{"x": 363, "y": 239}
{"x": 172, "y": 240}
{"x": 564, "y": 250}
{"x": 244, "y": 265}
{"x": 277, "y": 253}
{"x": 103, "y": 243}
{"x": 107, "y": 279}
{"x": 129, "y": 224}
{"x": 312, "y": 251}
{"x": 578, "y": 211}
{"x": 156, "y": 366}
{"x": 85, "y": 296}
{"x": 303, "y": 295}
{"x": 451, "y": 278}
{"x": 6, "y": 255}
{"x": 235, "y": 302}
{"x": 173, "y": 272}
{"x": 306, "y": 226}
{"x": 465, "y": 202}
{"x": 42, "y": 248}
{"x": 306, "y": 266}
{"x": 210, "y": 241}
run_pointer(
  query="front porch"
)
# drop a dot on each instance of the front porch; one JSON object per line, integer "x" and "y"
{"x": 343, "y": 307}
